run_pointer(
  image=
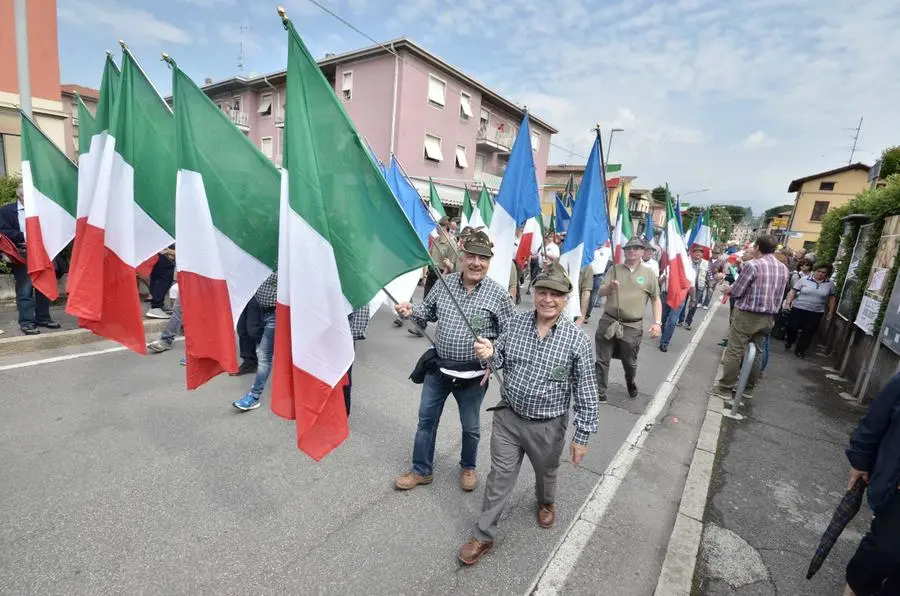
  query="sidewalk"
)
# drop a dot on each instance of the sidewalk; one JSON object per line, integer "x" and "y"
{"x": 777, "y": 478}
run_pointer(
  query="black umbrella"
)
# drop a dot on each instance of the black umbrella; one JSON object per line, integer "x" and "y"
{"x": 846, "y": 511}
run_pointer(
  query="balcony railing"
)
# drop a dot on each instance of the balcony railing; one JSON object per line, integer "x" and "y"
{"x": 491, "y": 180}
{"x": 241, "y": 119}
{"x": 496, "y": 139}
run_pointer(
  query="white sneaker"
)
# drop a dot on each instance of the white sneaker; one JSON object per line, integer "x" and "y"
{"x": 705, "y": 307}
{"x": 158, "y": 313}
{"x": 158, "y": 346}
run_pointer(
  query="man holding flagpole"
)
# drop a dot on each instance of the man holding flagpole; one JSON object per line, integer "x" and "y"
{"x": 628, "y": 287}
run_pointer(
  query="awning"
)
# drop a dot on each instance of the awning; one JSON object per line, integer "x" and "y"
{"x": 465, "y": 104}
{"x": 433, "y": 148}
{"x": 461, "y": 161}
{"x": 265, "y": 105}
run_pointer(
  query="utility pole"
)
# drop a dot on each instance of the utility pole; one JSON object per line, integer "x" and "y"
{"x": 855, "y": 139}
{"x": 20, "y": 16}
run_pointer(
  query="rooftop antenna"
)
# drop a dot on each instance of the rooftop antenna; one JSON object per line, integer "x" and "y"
{"x": 241, "y": 53}
{"x": 855, "y": 139}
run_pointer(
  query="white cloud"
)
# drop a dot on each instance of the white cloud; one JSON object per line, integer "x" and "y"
{"x": 130, "y": 24}
{"x": 758, "y": 139}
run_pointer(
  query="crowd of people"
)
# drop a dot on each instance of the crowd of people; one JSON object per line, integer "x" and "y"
{"x": 548, "y": 367}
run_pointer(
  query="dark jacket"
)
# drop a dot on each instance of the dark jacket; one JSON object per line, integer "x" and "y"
{"x": 875, "y": 446}
{"x": 9, "y": 223}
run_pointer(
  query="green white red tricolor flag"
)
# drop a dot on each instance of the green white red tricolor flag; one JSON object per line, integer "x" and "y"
{"x": 226, "y": 197}
{"x": 92, "y": 134}
{"x": 342, "y": 237}
{"x": 681, "y": 275}
{"x": 132, "y": 210}
{"x": 50, "y": 188}
{"x": 624, "y": 229}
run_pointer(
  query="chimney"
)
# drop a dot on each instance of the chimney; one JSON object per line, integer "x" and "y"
{"x": 207, "y": 81}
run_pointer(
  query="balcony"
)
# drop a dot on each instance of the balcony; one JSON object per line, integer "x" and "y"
{"x": 240, "y": 119}
{"x": 494, "y": 139}
{"x": 490, "y": 180}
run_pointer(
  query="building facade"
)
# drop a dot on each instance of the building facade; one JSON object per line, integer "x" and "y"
{"x": 43, "y": 58}
{"x": 439, "y": 122}
{"x": 818, "y": 193}
{"x": 90, "y": 97}
{"x": 557, "y": 178}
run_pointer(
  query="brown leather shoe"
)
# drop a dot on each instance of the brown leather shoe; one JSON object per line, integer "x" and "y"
{"x": 468, "y": 480}
{"x": 546, "y": 515}
{"x": 411, "y": 480}
{"x": 472, "y": 550}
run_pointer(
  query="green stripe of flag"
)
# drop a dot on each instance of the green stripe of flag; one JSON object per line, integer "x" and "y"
{"x": 53, "y": 174}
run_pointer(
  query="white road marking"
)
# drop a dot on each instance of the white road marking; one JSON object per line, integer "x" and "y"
{"x": 30, "y": 363}
{"x": 552, "y": 577}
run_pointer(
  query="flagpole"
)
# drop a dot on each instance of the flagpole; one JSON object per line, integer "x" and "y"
{"x": 603, "y": 176}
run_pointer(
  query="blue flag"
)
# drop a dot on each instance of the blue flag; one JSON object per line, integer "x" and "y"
{"x": 411, "y": 202}
{"x": 589, "y": 227}
{"x": 562, "y": 216}
{"x": 648, "y": 229}
{"x": 678, "y": 215}
{"x": 517, "y": 201}
{"x": 695, "y": 231}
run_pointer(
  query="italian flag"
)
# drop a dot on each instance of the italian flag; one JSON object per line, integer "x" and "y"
{"x": 92, "y": 135}
{"x": 132, "y": 211}
{"x": 623, "y": 230}
{"x": 681, "y": 275}
{"x": 342, "y": 237}
{"x": 466, "y": 211}
{"x": 435, "y": 206}
{"x": 50, "y": 185}
{"x": 483, "y": 214}
{"x": 704, "y": 237}
{"x": 226, "y": 201}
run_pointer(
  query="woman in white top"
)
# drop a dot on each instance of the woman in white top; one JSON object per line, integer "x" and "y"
{"x": 809, "y": 299}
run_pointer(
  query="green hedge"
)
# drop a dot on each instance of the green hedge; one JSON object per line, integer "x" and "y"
{"x": 877, "y": 204}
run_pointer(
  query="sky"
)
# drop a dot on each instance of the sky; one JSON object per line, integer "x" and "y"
{"x": 737, "y": 100}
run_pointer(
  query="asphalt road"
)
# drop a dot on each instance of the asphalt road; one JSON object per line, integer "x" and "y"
{"x": 118, "y": 480}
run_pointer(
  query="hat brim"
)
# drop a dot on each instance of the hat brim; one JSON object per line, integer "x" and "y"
{"x": 553, "y": 285}
{"x": 481, "y": 252}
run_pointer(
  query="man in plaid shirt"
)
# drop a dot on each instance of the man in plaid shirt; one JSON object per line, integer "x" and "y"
{"x": 758, "y": 294}
{"x": 455, "y": 368}
{"x": 548, "y": 363}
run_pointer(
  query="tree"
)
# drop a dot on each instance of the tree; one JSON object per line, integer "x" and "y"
{"x": 8, "y": 186}
{"x": 890, "y": 161}
{"x": 737, "y": 214}
{"x": 659, "y": 194}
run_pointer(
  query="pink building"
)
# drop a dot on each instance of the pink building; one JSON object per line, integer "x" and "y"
{"x": 439, "y": 122}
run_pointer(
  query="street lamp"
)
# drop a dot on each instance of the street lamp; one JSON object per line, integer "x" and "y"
{"x": 609, "y": 144}
{"x": 692, "y": 192}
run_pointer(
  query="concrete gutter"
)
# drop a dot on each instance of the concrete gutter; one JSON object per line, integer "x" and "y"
{"x": 58, "y": 339}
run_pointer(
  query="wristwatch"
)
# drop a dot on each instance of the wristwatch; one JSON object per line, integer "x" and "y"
{"x": 658, "y": 323}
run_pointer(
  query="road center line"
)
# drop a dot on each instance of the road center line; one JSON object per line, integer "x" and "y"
{"x": 30, "y": 363}
{"x": 552, "y": 577}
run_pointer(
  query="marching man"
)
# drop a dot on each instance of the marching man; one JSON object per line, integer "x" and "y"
{"x": 548, "y": 363}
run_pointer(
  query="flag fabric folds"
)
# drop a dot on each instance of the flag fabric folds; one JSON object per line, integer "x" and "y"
{"x": 342, "y": 237}
{"x": 624, "y": 229}
{"x": 517, "y": 202}
{"x": 226, "y": 198}
{"x": 434, "y": 199}
{"x": 466, "y": 210}
{"x": 563, "y": 217}
{"x": 132, "y": 212}
{"x": 50, "y": 188}
{"x": 92, "y": 135}
{"x": 530, "y": 242}
{"x": 569, "y": 193}
{"x": 589, "y": 228}
{"x": 648, "y": 230}
{"x": 680, "y": 275}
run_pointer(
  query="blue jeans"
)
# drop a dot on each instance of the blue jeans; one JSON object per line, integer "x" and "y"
{"x": 435, "y": 390}
{"x": 33, "y": 306}
{"x": 765, "y": 354}
{"x": 264, "y": 353}
{"x": 669, "y": 320}
{"x": 173, "y": 327}
{"x": 594, "y": 299}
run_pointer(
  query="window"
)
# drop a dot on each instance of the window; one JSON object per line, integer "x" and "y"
{"x": 265, "y": 105}
{"x": 484, "y": 119}
{"x": 433, "y": 148}
{"x": 461, "y": 161}
{"x": 437, "y": 91}
{"x": 236, "y": 104}
{"x": 820, "y": 208}
{"x": 465, "y": 106}
{"x": 347, "y": 86}
{"x": 265, "y": 145}
{"x": 479, "y": 164}
{"x": 535, "y": 140}
{"x": 826, "y": 185}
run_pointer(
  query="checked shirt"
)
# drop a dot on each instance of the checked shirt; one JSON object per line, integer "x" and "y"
{"x": 488, "y": 307}
{"x": 760, "y": 286}
{"x": 359, "y": 322}
{"x": 542, "y": 375}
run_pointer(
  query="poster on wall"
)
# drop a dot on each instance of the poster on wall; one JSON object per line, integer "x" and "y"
{"x": 845, "y": 304}
{"x": 868, "y": 312}
{"x": 891, "y": 334}
{"x": 876, "y": 285}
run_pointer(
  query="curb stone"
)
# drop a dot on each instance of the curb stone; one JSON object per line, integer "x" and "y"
{"x": 19, "y": 344}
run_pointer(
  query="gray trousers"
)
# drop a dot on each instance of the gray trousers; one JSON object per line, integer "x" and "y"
{"x": 173, "y": 327}
{"x": 625, "y": 349}
{"x": 511, "y": 438}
